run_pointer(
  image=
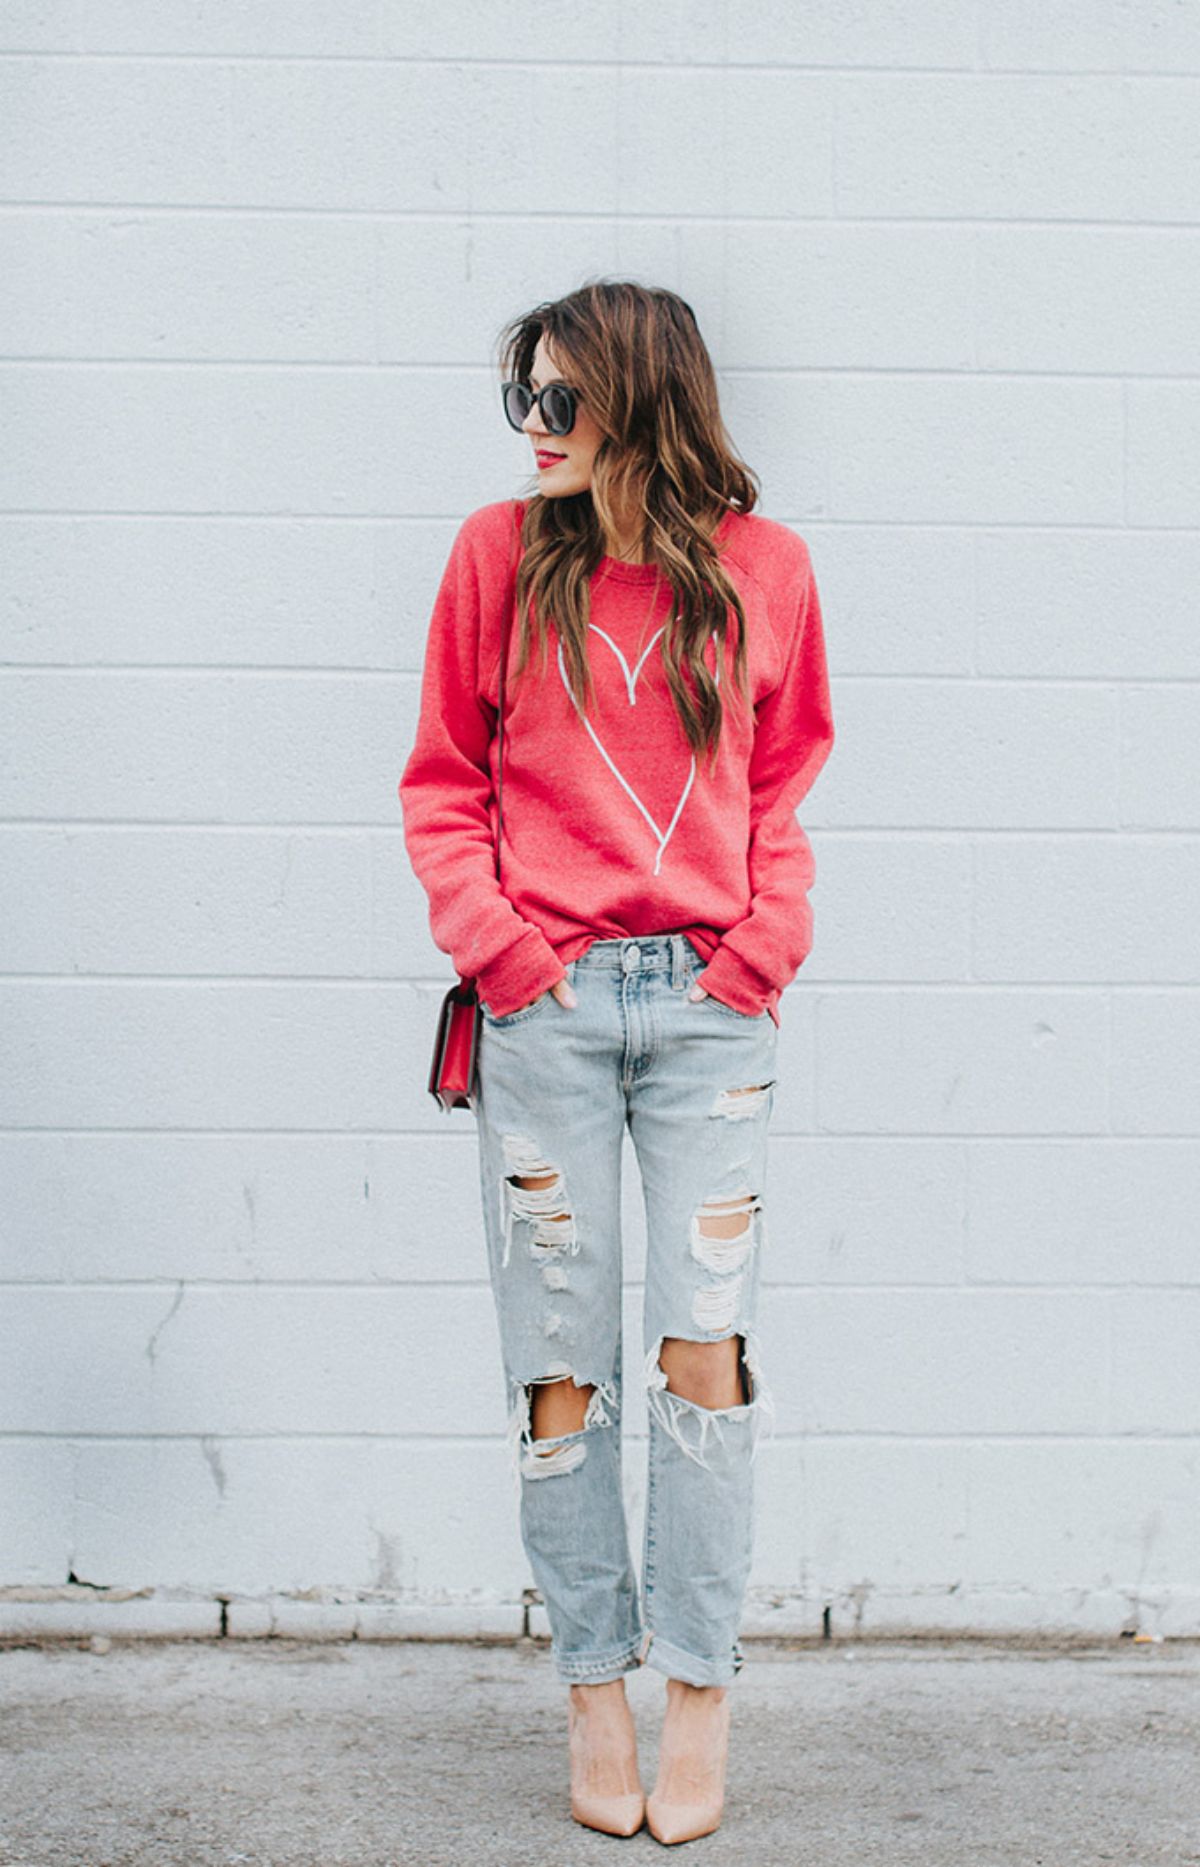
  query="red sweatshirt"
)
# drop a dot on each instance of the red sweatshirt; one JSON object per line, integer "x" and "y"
{"x": 611, "y": 826}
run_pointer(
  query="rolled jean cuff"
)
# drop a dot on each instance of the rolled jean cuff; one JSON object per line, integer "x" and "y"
{"x": 688, "y": 1666}
{"x": 600, "y": 1668}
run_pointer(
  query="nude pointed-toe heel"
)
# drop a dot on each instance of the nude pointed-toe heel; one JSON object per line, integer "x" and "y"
{"x": 614, "y": 1814}
{"x": 684, "y": 1819}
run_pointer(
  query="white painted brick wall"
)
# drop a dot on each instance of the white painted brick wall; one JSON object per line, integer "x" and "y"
{"x": 948, "y": 261}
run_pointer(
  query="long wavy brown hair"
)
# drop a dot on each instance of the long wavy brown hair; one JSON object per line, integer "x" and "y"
{"x": 636, "y": 358}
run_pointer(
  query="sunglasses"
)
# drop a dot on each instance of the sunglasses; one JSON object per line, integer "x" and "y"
{"x": 556, "y": 400}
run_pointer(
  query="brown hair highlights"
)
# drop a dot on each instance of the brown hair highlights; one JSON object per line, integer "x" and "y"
{"x": 637, "y": 359}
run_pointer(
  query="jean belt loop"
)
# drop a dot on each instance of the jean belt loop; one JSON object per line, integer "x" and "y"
{"x": 676, "y": 961}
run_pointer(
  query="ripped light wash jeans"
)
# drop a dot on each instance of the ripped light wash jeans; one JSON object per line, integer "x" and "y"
{"x": 556, "y": 1088}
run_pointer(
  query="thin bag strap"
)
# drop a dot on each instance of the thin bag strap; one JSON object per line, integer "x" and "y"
{"x": 504, "y": 635}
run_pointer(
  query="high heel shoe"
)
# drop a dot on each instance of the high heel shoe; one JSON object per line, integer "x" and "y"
{"x": 693, "y": 1771}
{"x": 612, "y": 1812}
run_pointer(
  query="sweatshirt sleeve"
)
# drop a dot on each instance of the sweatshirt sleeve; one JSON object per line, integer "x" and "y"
{"x": 793, "y": 738}
{"x": 446, "y": 788}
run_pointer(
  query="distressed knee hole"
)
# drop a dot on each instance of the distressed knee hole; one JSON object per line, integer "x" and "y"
{"x": 534, "y": 1190}
{"x": 741, "y": 1104}
{"x": 553, "y": 1455}
{"x": 688, "y": 1422}
{"x": 702, "y": 1372}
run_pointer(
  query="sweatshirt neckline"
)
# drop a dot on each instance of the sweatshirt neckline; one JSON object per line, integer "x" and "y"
{"x": 622, "y": 572}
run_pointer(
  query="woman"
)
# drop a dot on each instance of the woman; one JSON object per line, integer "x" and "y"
{"x": 652, "y": 905}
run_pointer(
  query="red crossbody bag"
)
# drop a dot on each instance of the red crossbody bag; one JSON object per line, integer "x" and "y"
{"x": 454, "y": 1071}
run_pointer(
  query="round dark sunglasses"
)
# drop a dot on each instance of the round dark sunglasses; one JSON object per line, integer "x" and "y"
{"x": 556, "y": 400}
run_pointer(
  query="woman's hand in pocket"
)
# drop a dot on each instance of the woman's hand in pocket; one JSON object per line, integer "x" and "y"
{"x": 565, "y": 994}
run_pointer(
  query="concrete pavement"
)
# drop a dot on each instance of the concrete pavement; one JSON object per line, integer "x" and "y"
{"x": 273, "y": 1753}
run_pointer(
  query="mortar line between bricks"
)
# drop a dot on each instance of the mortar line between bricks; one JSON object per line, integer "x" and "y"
{"x": 813, "y": 523}
{"x": 328, "y": 671}
{"x": 847, "y": 1136}
{"x": 1107, "y": 1440}
{"x": 975, "y": 375}
{"x": 971, "y": 70}
{"x": 395, "y": 983}
{"x": 846, "y": 834}
{"x": 633, "y": 1285}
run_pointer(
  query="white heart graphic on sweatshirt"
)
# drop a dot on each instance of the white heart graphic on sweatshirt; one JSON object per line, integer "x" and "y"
{"x": 662, "y": 837}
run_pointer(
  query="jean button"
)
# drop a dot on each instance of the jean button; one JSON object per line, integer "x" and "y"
{"x": 631, "y": 958}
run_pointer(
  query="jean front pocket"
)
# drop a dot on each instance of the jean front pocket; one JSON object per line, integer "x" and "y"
{"x": 747, "y": 1017}
{"x": 503, "y": 1021}
{"x": 692, "y": 971}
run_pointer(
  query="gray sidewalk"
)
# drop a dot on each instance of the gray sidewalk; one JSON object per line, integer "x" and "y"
{"x": 279, "y": 1754}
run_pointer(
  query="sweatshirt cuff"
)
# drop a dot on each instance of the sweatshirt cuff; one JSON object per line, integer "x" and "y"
{"x": 737, "y": 985}
{"x": 525, "y": 969}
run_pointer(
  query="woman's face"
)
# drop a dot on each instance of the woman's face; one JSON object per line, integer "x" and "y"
{"x": 564, "y": 461}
